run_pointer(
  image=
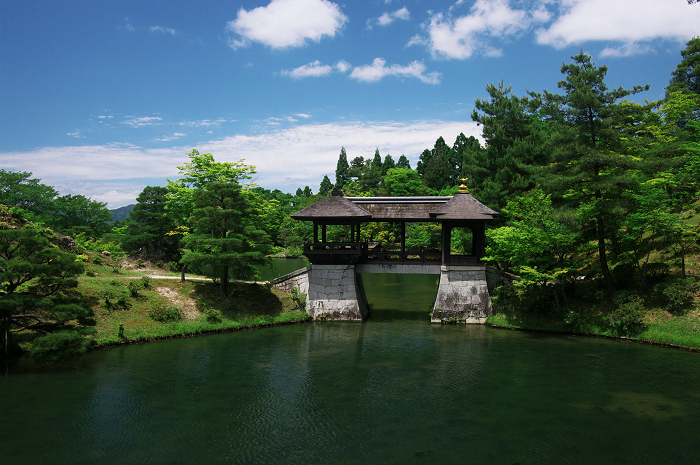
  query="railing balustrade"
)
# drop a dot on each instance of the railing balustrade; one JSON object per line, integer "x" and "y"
{"x": 380, "y": 255}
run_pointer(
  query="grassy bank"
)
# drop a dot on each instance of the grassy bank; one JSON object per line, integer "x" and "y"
{"x": 129, "y": 307}
{"x": 657, "y": 326}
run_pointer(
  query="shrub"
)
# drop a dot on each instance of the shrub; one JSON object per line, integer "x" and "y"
{"x": 213, "y": 315}
{"x": 165, "y": 313}
{"x": 146, "y": 282}
{"x": 90, "y": 272}
{"x": 60, "y": 345}
{"x": 134, "y": 288}
{"x": 299, "y": 298}
{"x": 115, "y": 298}
{"x": 83, "y": 258}
{"x": 628, "y": 317}
{"x": 679, "y": 293}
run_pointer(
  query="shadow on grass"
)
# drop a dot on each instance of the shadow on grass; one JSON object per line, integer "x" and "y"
{"x": 244, "y": 300}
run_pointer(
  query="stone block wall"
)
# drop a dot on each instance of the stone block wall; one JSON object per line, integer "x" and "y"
{"x": 336, "y": 292}
{"x": 463, "y": 295}
{"x": 298, "y": 278}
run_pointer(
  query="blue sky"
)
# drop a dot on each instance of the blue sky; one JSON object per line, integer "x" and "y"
{"x": 102, "y": 98}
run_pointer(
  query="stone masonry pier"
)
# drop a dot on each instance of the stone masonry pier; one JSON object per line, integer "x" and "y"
{"x": 336, "y": 292}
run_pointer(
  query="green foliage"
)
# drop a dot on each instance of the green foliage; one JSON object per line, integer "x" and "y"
{"x": 59, "y": 345}
{"x": 404, "y": 182}
{"x": 115, "y": 298}
{"x": 18, "y": 189}
{"x": 680, "y": 293}
{"x": 686, "y": 76}
{"x": 225, "y": 241}
{"x": 33, "y": 273}
{"x": 96, "y": 245}
{"x": 165, "y": 313}
{"x": 212, "y": 315}
{"x": 341, "y": 168}
{"x": 628, "y": 317}
{"x": 515, "y": 147}
{"x": 590, "y": 163}
{"x": 134, "y": 288}
{"x": 299, "y": 298}
{"x": 73, "y": 214}
{"x": 326, "y": 186}
{"x": 147, "y": 228}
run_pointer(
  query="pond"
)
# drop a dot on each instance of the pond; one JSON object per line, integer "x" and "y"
{"x": 392, "y": 390}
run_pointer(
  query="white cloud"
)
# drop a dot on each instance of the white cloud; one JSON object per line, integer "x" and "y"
{"x": 174, "y": 136}
{"x": 627, "y": 22}
{"x": 315, "y": 69}
{"x": 105, "y": 116}
{"x": 286, "y": 23}
{"x": 75, "y": 134}
{"x": 389, "y": 17}
{"x": 205, "y": 122}
{"x": 117, "y": 173}
{"x": 302, "y": 115}
{"x": 165, "y": 30}
{"x": 378, "y": 70}
{"x": 137, "y": 122}
{"x": 343, "y": 66}
{"x": 461, "y": 37}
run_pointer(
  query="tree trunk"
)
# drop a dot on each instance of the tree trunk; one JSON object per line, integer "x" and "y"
{"x": 182, "y": 275}
{"x": 7, "y": 335}
{"x": 600, "y": 230}
{"x": 223, "y": 286}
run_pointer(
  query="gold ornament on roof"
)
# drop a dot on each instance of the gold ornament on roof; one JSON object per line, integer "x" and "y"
{"x": 463, "y": 187}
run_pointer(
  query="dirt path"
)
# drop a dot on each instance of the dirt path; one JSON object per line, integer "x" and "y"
{"x": 187, "y": 306}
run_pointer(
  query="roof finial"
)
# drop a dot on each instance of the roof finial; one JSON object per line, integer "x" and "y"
{"x": 463, "y": 187}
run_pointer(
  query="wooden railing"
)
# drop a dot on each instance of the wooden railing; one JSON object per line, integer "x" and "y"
{"x": 409, "y": 257}
{"x": 359, "y": 252}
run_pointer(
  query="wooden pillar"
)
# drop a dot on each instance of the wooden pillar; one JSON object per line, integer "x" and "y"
{"x": 358, "y": 233}
{"x": 403, "y": 240}
{"x": 323, "y": 233}
{"x": 446, "y": 234}
{"x": 315, "y": 232}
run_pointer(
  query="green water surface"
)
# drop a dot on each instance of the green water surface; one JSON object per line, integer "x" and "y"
{"x": 392, "y": 390}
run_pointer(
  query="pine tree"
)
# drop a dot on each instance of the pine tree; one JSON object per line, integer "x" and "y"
{"x": 225, "y": 242}
{"x": 326, "y": 186}
{"x": 686, "y": 77}
{"x": 589, "y": 164}
{"x": 403, "y": 162}
{"x": 514, "y": 147}
{"x": 341, "y": 169}
{"x": 148, "y": 226}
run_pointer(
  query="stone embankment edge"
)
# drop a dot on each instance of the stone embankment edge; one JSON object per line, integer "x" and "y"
{"x": 600, "y": 336}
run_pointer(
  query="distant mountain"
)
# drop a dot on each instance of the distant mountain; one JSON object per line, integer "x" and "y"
{"x": 121, "y": 213}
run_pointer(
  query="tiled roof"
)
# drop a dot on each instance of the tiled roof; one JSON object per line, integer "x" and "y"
{"x": 461, "y": 206}
{"x": 464, "y": 206}
{"x": 332, "y": 207}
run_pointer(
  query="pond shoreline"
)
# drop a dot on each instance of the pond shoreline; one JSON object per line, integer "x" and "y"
{"x": 669, "y": 345}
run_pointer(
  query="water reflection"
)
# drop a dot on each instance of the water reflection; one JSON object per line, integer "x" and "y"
{"x": 386, "y": 391}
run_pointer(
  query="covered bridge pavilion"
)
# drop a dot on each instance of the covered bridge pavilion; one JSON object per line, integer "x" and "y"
{"x": 335, "y": 287}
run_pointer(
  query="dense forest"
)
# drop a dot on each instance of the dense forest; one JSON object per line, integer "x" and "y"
{"x": 598, "y": 198}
